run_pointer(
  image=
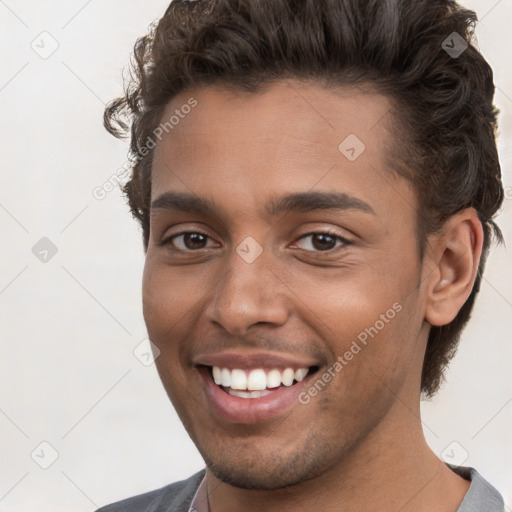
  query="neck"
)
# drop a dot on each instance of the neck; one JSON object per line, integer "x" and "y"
{"x": 393, "y": 469}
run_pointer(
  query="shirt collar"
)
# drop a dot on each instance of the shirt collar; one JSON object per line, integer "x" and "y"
{"x": 200, "y": 500}
{"x": 480, "y": 493}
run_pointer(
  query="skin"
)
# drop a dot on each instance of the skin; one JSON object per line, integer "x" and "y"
{"x": 359, "y": 441}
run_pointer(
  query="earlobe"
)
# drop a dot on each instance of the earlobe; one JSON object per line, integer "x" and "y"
{"x": 456, "y": 251}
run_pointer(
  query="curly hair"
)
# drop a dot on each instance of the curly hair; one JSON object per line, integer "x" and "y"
{"x": 444, "y": 103}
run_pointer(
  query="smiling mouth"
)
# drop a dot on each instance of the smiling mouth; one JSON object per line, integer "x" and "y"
{"x": 257, "y": 382}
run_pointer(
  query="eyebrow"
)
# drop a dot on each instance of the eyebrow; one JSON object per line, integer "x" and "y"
{"x": 300, "y": 202}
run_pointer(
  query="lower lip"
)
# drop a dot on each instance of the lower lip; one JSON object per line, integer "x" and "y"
{"x": 250, "y": 410}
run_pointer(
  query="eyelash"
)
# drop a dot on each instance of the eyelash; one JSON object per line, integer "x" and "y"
{"x": 332, "y": 234}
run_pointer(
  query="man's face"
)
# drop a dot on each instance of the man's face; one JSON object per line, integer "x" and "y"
{"x": 300, "y": 287}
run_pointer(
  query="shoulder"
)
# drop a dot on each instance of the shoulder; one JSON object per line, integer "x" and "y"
{"x": 481, "y": 494}
{"x": 175, "y": 497}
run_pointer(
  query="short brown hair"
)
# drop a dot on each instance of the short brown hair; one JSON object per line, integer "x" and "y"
{"x": 446, "y": 113}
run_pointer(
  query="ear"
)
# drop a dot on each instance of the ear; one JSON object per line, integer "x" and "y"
{"x": 455, "y": 255}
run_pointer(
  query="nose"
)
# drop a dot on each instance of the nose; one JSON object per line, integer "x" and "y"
{"x": 249, "y": 294}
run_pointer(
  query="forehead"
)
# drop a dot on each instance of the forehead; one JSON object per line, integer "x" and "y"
{"x": 291, "y": 136}
{"x": 293, "y": 114}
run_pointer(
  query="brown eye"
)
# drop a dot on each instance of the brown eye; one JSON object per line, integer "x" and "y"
{"x": 323, "y": 241}
{"x": 188, "y": 241}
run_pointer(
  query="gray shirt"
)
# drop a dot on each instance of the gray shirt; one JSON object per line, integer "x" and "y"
{"x": 189, "y": 496}
{"x": 481, "y": 495}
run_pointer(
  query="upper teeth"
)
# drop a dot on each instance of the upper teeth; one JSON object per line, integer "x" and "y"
{"x": 257, "y": 379}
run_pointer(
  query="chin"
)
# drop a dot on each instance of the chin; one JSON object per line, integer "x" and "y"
{"x": 262, "y": 478}
{"x": 248, "y": 468}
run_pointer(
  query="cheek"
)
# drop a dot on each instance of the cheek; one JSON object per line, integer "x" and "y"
{"x": 369, "y": 322}
{"x": 167, "y": 301}
{"x": 164, "y": 314}
{"x": 165, "y": 308}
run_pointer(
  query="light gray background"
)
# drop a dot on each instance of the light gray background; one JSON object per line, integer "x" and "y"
{"x": 69, "y": 326}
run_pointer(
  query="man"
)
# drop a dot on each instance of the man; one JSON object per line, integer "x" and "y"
{"x": 316, "y": 183}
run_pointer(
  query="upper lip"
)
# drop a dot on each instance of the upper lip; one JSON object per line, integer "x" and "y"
{"x": 252, "y": 361}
